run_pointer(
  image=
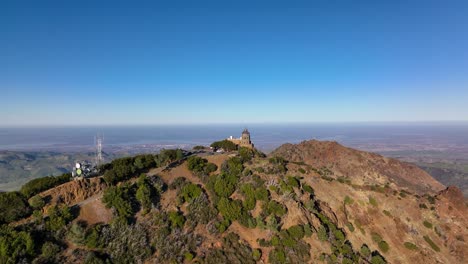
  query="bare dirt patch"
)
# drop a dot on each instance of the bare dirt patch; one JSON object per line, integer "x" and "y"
{"x": 249, "y": 235}
{"x": 94, "y": 212}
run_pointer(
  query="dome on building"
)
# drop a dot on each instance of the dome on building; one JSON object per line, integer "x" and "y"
{"x": 245, "y": 132}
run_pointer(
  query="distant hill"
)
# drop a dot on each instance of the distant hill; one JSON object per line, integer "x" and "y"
{"x": 18, "y": 167}
{"x": 312, "y": 202}
{"x": 448, "y": 173}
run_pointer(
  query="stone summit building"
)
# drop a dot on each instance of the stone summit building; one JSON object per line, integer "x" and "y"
{"x": 244, "y": 140}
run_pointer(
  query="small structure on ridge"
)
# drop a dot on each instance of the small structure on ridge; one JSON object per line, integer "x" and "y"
{"x": 243, "y": 141}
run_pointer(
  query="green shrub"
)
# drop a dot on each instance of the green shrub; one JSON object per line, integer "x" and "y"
{"x": 427, "y": 224}
{"x": 350, "y": 226}
{"x": 275, "y": 208}
{"x": 272, "y": 223}
{"x": 36, "y": 186}
{"x": 199, "y": 147}
{"x": 322, "y": 233}
{"x": 178, "y": 183}
{"x": 344, "y": 180}
{"x": 301, "y": 170}
{"x": 260, "y": 169}
{"x": 144, "y": 162}
{"x": 387, "y": 213}
{"x": 188, "y": 256}
{"x": 378, "y": 188}
{"x": 292, "y": 181}
{"x": 189, "y": 192}
{"x": 365, "y": 251}
{"x": 296, "y": 232}
{"x": 118, "y": 198}
{"x": 256, "y": 254}
{"x": 261, "y": 193}
{"x": 210, "y": 167}
{"x": 36, "y": 202}
{"x": 177, "y": 219}
{"x": 145, "y": 193}
{"x": 285, "y": 188}
{"x": 224, "y": 144}
{"x": 410, "y": 246}
{"x": 249, "y": 194}
{"x": 376, "y": 237}
{"x": 383, "y": 245}
{"x": 50, "y": 250}
{"x": 277, "y": 256}
{"x": 223, "y": 225}
{"x": 432, "y": 244}
{"x": 288, "y": 242}
{"x": 275, "y": 241}
{"x": 422, "y": 206}
{"x": 280, "y": 164}
{"x": 225, "y": 184}
{"x": 58, "y": 217}
{"x": 122, "y": 169}
{"x": 200, "y": 166}
{"x": 372, "y": 201}
{"x": 377, "y": 259}
{"x": 307, "y": 230}
{"x": 92, "y": 236}
{"x": 13, "y": 206}
{"x": 167, "y": 156}
{"x": 233, "y": 166}
{"x": 246, "y": 154}
{"x": 231, "y": 210}
{"x": 15, "y": 245}
{"x": 327, "y": 178}
{"x": 233, "y": 250}
{"x": 348, "y": 200}
{"x": 77, "y": 233}
{"x": 308, "y": 188}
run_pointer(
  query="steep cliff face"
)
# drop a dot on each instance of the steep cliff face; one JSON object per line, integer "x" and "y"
{"x": 362, "y": 167}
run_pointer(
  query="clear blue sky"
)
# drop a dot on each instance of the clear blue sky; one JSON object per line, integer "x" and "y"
{"x": 155, "y": 62}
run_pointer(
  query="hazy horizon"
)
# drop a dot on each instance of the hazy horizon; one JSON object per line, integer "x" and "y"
{"x": 265, "y": 136}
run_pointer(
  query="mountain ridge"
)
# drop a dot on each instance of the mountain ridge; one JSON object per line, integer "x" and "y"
{"x": 357, "y": 164}
{"x": 312, "y": 202}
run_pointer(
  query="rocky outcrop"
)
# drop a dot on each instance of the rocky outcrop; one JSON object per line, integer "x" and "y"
{"x": 74, "y": 192}
{"x": 453, "y": 194}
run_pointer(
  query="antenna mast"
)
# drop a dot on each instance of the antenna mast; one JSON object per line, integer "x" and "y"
{"x": 99, "y": 138}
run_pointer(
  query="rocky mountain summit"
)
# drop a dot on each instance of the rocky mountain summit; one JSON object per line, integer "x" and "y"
{"x": 312, "y": 202}
{"x": 360, "y": 166}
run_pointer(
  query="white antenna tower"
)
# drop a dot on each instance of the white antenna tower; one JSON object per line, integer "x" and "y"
{"x": 98, "y": 139}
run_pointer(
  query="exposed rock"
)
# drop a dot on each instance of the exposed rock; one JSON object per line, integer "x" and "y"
{"x": 74, "y": 191}
{"x": 453, "y": 194}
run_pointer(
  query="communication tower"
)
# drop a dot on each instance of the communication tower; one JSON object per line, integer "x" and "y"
{"x": 99, "y": 139}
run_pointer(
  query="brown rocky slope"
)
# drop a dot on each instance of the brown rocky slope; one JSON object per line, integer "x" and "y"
{"x": 382, "y": 197}
{"x": 362, "y": 167}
